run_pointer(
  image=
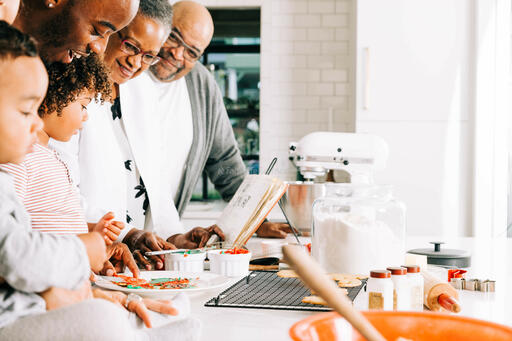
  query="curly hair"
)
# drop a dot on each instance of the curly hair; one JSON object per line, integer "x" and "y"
{"x": 68, "y": 81}
{"x": 14, "y": 43}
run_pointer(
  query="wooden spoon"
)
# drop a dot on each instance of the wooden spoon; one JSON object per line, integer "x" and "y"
{"x": 315, "y": 278}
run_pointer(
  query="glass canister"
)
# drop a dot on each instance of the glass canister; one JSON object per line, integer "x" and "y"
{"x": 357, "y": 228}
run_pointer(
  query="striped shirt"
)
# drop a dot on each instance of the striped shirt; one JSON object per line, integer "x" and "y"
{"x": 44, "y": 186}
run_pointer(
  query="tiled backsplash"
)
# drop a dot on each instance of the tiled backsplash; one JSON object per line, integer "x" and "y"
{"x": 306, "y": 72}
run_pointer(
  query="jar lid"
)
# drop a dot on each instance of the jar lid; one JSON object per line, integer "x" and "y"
{"x": 445, "y": 257}
{"x": 412, "y": 269}
{"x": 397, "y": 271}
{"x": 380, "y": 274}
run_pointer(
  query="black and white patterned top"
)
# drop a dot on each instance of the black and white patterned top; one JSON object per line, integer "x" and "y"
{"x": 137, "y": 200}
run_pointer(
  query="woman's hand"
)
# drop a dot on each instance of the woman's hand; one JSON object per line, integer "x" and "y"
{"x": 138, "y": 307}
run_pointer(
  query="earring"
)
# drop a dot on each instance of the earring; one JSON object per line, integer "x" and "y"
{"x": 51, "y": 5}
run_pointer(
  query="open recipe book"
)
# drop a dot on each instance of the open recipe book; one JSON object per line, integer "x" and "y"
{"x": 252, "y": 202}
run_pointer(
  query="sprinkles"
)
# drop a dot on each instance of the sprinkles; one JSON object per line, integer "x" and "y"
{"x": 155, "y": 283}
{"x": 235, "y": 251}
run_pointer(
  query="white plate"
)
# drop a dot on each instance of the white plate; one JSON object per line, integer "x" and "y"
{"x": 206, "y": 281}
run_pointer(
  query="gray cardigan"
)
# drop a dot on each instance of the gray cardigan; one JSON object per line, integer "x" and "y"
{"x": 214, "y": 147}
{"x": 32, "y": 262}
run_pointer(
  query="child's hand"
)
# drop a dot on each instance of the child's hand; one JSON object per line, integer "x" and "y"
{"x": 108, "y": 228}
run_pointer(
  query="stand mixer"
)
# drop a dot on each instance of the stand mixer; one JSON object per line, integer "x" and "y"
{"x": 320, "y": 152}
{"x": 358, "y": 154}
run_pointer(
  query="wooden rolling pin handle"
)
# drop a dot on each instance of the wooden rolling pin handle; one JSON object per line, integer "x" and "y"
{"x": 449, "y": 303}
{"x": 314, "y": 277}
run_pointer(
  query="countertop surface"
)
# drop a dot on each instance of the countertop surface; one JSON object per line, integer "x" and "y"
{"x": 491, "y": 259}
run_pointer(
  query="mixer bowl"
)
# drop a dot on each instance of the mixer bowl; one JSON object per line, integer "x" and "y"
{"x": 417, "y": 326}
{"x": 297, "y": 202}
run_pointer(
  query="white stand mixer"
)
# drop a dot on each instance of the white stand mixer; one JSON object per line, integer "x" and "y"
{"x": 358, "y": 154}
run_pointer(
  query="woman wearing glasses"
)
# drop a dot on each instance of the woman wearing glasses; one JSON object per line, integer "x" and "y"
{"x": 114, "y": 174}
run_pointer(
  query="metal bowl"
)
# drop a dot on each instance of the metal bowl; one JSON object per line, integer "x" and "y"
{"x": 297, "y": 202}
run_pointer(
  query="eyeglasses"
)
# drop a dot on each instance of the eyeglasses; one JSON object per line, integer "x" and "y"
{"x": 133, "y": 50}
{"x": 174, "y": 41}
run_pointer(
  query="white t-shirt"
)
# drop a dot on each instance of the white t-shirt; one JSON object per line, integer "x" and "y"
{"x": 175, "y": 114}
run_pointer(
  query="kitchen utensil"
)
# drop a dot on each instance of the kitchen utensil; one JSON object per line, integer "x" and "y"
{"x": 297, "y": 202}
{"x": 268, "y": 171}
{"x": 271, "y": 166}
{"x": 310, "y": 272}
{"x": 439, "y": 295}
{"x": 416, "y": 326}
{"x": 358, "y": 154}
{"x": 266, "y": 290}
{"x": 445, "y": 257}
{"x": 488, "y": 286}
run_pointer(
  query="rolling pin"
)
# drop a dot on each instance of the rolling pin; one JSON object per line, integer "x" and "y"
{"x": 439, "y": 295}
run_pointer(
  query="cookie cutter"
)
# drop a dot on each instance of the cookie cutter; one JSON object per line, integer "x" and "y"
{"x": 458, "y": 283}
{"x": 488, "y": 286}
{"x": 473, "y": 284}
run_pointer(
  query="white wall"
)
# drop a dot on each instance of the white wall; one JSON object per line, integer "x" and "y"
{"x": 306, "y": 67}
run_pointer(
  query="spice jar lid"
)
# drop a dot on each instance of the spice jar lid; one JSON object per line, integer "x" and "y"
{"x": 411, "y": 269}
{"x": 380, "y": 274}
{"x": 397, "y": 271}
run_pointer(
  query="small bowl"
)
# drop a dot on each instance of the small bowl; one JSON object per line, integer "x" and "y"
{"x": 231, "y": 265}
{"x": 185, "y": 262}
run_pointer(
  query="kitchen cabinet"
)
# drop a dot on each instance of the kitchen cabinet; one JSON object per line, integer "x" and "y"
{"x": 414, "y": 85}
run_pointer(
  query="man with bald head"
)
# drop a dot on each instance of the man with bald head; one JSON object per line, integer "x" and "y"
{"x": 67, "y": 29}
{"x": 196, "y": 134}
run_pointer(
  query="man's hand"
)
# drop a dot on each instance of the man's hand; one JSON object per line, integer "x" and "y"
{"x": 273, "y": 230}
{"x": 195, "y": 238}
{"x": 119, "y": 256}
{"x": 56, "y": 298}
{"x": 141, "y": 242}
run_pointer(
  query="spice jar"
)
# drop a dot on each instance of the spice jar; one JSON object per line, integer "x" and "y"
{"x": 380, "y": 290}
{"x": 357, "y": 228}
{"x": 416, "y": 286}
{"x": 402, "y": 288}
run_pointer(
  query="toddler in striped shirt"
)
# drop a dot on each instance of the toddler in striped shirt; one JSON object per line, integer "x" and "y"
{"x": 42, "y": 181}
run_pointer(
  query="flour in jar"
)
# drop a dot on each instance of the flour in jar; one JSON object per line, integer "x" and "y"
{"x": 354, "y": 243}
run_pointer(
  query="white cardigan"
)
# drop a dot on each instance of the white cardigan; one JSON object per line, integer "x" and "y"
{"x": 102, "y": 177}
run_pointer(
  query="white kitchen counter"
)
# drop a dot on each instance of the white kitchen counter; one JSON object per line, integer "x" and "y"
{"x": 491, "y": 259}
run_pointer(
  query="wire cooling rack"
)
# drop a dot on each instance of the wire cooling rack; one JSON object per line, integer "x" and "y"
{"x": 265, "y": 290}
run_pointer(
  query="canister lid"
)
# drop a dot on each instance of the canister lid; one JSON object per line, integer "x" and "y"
{"x": 411, "y": 269}
{"x": 380, "y": 274}
{"x": 397, "y": 271}
{"x": 445, "y": 257}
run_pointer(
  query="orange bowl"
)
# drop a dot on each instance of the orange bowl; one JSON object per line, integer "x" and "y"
{"x": 417, "y": 326}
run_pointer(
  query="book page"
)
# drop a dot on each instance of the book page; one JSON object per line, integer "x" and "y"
{"x": 267, "y": 203}
{"x": 244, "y": 205}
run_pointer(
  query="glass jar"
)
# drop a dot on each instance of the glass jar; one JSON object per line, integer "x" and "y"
{"x": 356, "y": 228}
